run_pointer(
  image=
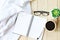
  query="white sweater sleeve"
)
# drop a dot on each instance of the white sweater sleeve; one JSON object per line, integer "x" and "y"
{"x": 10, "y": 7}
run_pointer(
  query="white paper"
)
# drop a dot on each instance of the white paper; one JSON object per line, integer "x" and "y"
{"x": 22, "y": 24}
{"x": 37, "y": 27}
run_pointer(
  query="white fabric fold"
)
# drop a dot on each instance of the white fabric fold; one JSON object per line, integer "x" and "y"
{"x": 9, "y": 8}
{"x": 8, "y": 25}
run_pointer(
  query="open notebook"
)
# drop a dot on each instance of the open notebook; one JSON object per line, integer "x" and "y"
{"x": 23, "y": 23}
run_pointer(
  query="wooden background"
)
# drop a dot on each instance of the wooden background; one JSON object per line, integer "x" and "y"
{"x": 48, "y": 5}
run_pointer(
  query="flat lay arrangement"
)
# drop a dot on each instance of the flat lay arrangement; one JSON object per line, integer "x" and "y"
{"x": 29, "y": 20}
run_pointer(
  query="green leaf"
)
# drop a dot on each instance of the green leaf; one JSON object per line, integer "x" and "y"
{"x": 55, "y": 13}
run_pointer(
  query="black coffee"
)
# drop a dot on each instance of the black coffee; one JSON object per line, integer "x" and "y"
{"x": 50, "y": 25}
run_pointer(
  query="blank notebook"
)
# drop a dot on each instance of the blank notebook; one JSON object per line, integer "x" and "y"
{"x": 37, "y": 26}
{"x": 22, "y": 24}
